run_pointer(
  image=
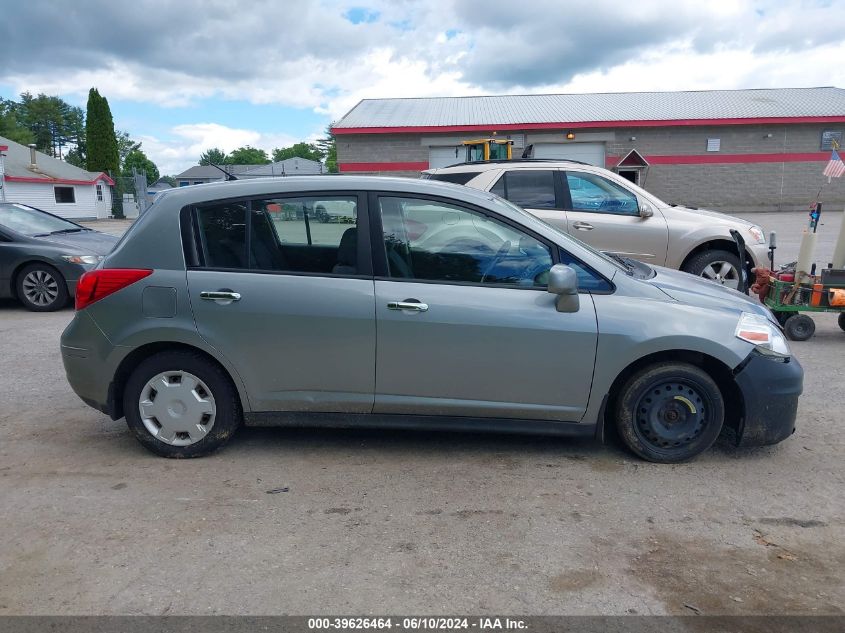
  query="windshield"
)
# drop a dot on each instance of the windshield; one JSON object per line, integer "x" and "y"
{"x": 33, "y": 222}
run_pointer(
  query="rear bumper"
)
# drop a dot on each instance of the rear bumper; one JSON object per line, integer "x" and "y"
{"x": 85, "y": 354}
{"x": 770, "y": 389}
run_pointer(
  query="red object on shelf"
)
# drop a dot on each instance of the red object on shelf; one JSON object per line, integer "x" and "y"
{"x": 786, "y": 277}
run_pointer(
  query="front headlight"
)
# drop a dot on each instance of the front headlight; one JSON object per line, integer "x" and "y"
{"x": 758, "y": 330}
{"x": 757, "y": 233}
{"x": 82, "y": 259}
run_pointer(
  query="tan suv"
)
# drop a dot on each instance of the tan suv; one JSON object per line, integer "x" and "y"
{"x": 614, "y": 215}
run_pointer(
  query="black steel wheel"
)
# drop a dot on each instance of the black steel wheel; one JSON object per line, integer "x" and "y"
{"x": 670, "y": 412}
{"x": 841, "y": 320}
{"x": 799, "y": 327}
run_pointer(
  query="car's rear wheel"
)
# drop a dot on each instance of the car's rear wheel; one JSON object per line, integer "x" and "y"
{"x": 41, "y": 288}
{"x": 669, "y": 412}
{"x": 841, "y": 321}
{"x": 180, "y": 404}
{"x": 719, "y": 266}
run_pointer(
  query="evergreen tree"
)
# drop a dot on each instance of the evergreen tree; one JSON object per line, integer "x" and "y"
{"x": 214, "y": 156}
{"x": 328, "y": 147}
{"x": 103, "y": 155}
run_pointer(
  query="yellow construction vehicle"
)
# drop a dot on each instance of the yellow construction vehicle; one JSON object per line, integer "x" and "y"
{"x": 488, "y": 149}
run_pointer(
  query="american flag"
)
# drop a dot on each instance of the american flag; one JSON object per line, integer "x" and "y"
{"x": 835, "y": 167}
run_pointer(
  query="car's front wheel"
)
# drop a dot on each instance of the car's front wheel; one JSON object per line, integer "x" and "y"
{"x": 669, "y": 412}
{"x": 719, "y": 266}
{"x": 180, "y": 404}
{"x": 41, "y": 288}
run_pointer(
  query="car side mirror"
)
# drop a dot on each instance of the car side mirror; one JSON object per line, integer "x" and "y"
{"x": 563, "y": 282}
{"x": 645, "y": 210}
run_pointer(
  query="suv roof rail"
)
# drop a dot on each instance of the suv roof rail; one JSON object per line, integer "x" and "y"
{"x": 496, "y": 161}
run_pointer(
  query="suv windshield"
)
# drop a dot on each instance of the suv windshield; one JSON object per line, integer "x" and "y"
{"x": 33, "y": 222}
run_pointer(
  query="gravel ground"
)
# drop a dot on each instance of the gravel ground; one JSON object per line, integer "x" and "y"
{"x": 398, "y": 522}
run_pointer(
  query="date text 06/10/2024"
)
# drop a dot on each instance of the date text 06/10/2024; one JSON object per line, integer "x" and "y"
{"x": 417, "y": 623}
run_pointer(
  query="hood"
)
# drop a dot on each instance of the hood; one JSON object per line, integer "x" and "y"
{"x": 718, "y": 215}
{"x": 696, "y": 291}
{"x": 93, "y": 242}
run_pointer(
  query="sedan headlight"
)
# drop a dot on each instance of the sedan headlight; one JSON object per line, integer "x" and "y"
{"x": 757, "y": 233}
{"x": 758, "y": 330}
{"x": 82, "y": 259}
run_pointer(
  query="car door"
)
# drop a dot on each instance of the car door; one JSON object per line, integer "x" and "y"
{"x": 289, "y": 301}
{"x": 538, "y": 191}
{"x": 606, "y": 215}
{"x": 465, "y": 325}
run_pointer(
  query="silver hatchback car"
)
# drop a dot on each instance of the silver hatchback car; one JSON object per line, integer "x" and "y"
{"x": 426, "y": 305}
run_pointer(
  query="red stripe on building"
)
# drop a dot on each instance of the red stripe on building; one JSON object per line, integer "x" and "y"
{"x": 711, "y": 159}
{"x": 419, "y": 129}
{"x": 418, "y": 166}
{"x": 58, "y": 181}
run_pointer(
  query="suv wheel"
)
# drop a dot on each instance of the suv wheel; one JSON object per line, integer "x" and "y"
{"x": 41, "y": 288}
{"x": 670, "y": 412}
{"x": 179, "y": 404}
{"x": 720, "y": 266}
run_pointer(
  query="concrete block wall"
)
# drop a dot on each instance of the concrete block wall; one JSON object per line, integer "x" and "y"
{"x": 737, "y": 187}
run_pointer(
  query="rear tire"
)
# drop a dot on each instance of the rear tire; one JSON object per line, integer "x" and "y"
{"x": 841, "y": 321}
{"x": 41, "y": 288}
{"x": 669, "y": 412}
{"x": 800, "y": 327}
{"x": 719, "y": 266}
{"x": 200, "y": 414}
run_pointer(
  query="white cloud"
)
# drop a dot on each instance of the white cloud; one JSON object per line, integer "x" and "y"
{"x": 182, "y": 148}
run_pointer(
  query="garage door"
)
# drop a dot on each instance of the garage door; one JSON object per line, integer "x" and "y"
{"x": 592, "y": 153}
{"x": 445, "y": 156}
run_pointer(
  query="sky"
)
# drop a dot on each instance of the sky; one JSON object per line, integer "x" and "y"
{"x": 183, "y": 76}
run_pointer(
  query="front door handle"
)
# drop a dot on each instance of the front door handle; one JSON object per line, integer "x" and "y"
{"x": 583, "y": 226}
{"x": 409, "y": 304}
{"x": 223, "y": 296}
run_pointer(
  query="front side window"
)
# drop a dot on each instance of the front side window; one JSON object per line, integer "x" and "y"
{"x": 65, "y": 195}
{"x": 590, "y": 192}
{"x": 436, "y": 241}
{"x": 528, "y": 188}
{"x": 296, "y": 235}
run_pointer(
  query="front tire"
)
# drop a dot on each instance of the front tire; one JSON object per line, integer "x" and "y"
{"x": 669, "y": 412}
{"x": 180, "y": 404}
{"x": 841, "y": 321}
{"x": 722, "y": 267}
{"x": 41, "y": 288}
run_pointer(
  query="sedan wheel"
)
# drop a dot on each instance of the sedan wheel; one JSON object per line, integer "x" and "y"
{"x": 177, "y": 408}
{"x": 721, "y": 267}
{"x": 41, "y": 288}
{"x": 180, "y": 403}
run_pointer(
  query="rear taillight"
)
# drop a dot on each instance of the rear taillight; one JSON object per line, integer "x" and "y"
{"x": 100, "y": 283}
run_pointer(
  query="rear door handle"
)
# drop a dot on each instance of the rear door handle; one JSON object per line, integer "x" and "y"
{"x": 224, "y": 296}
{"x": 412, "y": 305}
{"x": 583, "y": 226}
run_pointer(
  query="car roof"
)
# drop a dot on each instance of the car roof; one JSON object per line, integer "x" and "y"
{"x": 197, "y": 194}
{"x": 486, "y": 165}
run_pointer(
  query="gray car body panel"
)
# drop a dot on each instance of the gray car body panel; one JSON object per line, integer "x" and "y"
{"x": 566, "y": 374}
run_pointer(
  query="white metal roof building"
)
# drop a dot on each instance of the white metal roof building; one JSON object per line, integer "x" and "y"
{"x": 729, "y": 149}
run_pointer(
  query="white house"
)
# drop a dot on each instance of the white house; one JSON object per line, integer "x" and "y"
{"x": 41, "y": 181}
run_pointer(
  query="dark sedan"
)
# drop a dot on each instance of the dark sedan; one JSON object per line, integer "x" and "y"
{"x": 42, "y": 256}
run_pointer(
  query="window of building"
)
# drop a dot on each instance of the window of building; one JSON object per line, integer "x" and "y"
{"x": 528, "y": 188}
{"x": 99, "y": 193}
{"x": 65, "y": 195}
{"x": 590, "y": 192}
{"x": 424, "y": 239}
{"x": 184, "y": 183}
{"x": 714, "y": 144}
{"x": 198, "y": 182}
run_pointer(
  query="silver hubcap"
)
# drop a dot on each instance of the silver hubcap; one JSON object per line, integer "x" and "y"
{"x": 40, "y": 287}
{"x": 723, "y": 273}
{"x": 177, "y": 408}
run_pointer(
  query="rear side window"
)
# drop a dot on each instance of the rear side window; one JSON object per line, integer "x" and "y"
{"x": 528, "y": 188}
{"x": 316, "y": 234}
{"x": 460, "y": 178}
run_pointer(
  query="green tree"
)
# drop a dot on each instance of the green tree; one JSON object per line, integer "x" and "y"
{"x": 103, "y": 153}
{"x": 328, "y": 148}
{"x": 138, "y": 160}
{"x": 213, "y": 156}
{"x": 53, "y": 122}
{"x": 11, "y": 126}
{"x": 170, "y": 180}
{"x": 125, "y": 145}
{"x": 298, "y": 150}
{"x": 248, "y": 155}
